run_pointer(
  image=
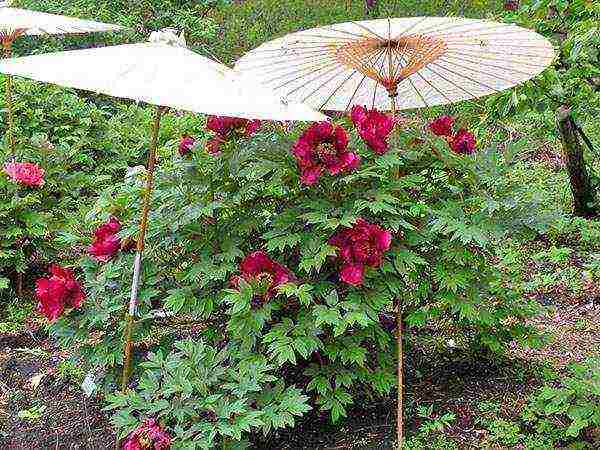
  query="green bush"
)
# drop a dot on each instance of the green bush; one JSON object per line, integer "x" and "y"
{"x": 322, "y": 340}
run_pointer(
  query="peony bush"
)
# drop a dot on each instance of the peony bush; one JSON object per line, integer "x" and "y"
{"x": 274, "y": 268}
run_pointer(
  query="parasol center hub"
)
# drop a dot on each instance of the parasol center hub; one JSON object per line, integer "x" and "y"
{"x": 406, "y": 56}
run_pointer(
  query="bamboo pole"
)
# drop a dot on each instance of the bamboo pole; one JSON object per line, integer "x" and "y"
{"x": 137, "y": 267}
{"x": 400, "y": 408}
{"x": 400, "y": 418}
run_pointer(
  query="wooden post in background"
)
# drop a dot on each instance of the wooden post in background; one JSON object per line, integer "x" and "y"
{"x": 583, "y": 194}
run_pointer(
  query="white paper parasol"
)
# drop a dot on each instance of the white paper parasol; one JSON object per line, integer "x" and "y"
{"x": 416, "y": 62}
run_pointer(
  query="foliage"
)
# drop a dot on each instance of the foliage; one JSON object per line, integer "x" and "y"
{"x": 570, "y": 407}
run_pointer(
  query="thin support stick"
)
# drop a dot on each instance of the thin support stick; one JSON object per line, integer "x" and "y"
{"x": 400, "y": 421}
{"x": 9, "y": 103}
{"x": 133, "y": 301}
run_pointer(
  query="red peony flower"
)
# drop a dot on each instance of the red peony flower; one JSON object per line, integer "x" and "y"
{"x": 374, "y": 127}
{"x": 442, "y": 126}
{"x": 186, "y": 145}
{"x": 227, "y": 128}
{"x": 106, "y": 243}
{"x": 148, "y": 436}
{"x": 323, "y": 147}
{"x": 28, "y": 174}
{"x": 511, "y": 5}
{"x": 463, "y": 142}
{"x": 213, "y": 145}
{"x": 49, "y": 293}
{"x": 58, "y": 291}
{"x": 74, "y": 295}
{"x": 258, "y": 268}
{"x": 360, "y": 246}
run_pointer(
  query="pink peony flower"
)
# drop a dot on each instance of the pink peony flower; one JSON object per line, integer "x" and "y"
{"x": 57, "y": 292}
{"x": 323, "y": 147}
{"x": 374, "y": 127}
{"x": 463, "y": 142}
{"x": 360, "y": 246}
{"x": 260, "y": 269}
{"x": 28, "y": 174}
{"x": 442, "y": 126}
{"x": 106, "y": 243}
{"x": 186, "y": 145}
{"x": 148, "y": 436}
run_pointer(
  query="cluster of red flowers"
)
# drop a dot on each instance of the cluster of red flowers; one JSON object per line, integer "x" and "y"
{"x": 374, "y": 127}
{"x": 59, "y": 291}
{"x": 106, "y": 243}
{"x": 148, "y": 436}
{"x": 28, "y": 174}
{"x": 263, "y": 273}
{"x": 226, "y": 128}
{"x": 462, "y": 142}
{"x": 323, "y": 147}
{"x": 360, "y": 246}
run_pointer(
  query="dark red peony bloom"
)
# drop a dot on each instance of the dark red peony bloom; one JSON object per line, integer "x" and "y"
{"x": 213, "y": 145}
{"x": 374, "y": 127}
{"x": 59, "y": 291}
{"x": 28, "y": 174}
{"x": 148, "y": 436}
{"x": 511, "y": 5}
{"x": 264, "y": 273}
{"x": 463, "y": 142}
{"x": 323, "y": 147}
{"x": 106, "y": 243}
{"x": 442, "y": 126}
{"x": 226, "y": 128}
{"x": 360, "y": 246}
{"x": 186, "y": 145}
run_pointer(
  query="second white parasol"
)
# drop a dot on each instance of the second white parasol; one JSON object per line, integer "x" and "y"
{"x": 400, "y": 63}
{"x": 166, "y": 74}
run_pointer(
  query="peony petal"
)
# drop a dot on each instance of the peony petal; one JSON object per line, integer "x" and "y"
{"x": 353, "y": 274}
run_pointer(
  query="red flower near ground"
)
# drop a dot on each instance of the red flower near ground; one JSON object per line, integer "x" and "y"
{"x": 362, "y": 245}
{"x": 148, "y": 436}
{"x": 227, "y": 128}
{"x": 463, "y": 142}
{"x": 374, "y": 127}
{"x": 28, "y": 174}
{"x": 266, "y": 274}
{"x": 186, "y": 145}
{"x": 57, "y": 292}
{"x": 106, "y": 243}
{"x": 323, "y": 147}
{"x": 442, "y": 126}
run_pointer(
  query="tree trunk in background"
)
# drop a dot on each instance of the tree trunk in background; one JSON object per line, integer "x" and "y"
{"x": 583, "y": 194}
